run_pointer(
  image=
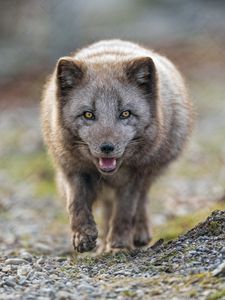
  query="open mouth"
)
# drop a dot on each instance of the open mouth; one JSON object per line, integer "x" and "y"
{"x": 107, "y": 164}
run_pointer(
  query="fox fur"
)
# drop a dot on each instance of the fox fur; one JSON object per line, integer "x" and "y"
{"x": 114, "y": 116}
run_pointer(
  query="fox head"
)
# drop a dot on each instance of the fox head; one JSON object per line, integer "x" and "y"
{"x": 106, "y": 108}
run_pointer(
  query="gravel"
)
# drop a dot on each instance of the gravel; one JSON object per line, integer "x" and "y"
{"x": 195, "y": 257}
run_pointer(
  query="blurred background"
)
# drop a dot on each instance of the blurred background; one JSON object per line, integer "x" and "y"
{"x": 34, "y": 34}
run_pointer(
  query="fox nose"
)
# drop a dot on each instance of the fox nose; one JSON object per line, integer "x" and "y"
{"x": 107, "y": 148}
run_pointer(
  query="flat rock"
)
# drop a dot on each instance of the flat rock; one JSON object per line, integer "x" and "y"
{"x": 15, "y": 261}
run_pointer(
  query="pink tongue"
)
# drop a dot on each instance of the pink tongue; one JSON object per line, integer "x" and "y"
{"x": 107, "y": 164}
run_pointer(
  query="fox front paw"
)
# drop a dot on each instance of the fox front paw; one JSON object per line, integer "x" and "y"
{"x": 85, "y": 238}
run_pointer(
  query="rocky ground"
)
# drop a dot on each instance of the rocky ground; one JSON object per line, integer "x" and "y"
{"x": 191, "y": 266}
{"x": 36, "y": 257}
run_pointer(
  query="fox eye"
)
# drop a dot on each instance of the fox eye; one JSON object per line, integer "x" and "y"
{"x": 89, "y": 115}
{"x": 125, "y": 114}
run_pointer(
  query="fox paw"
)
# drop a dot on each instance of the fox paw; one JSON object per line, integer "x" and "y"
{"x": 142, "y": 236}
{"x": 85, "y": 239}
{"x": 114, "y": 250}
{"x": 118, "y": 244}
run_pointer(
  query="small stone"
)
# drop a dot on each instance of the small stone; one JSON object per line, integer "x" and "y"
{"x": 22, "y": 280}
{"x": 31, "y": 298}
{"x": 24, "y": 270}
{"x": 37, "y": 267}
{"x": 6, "y": 269}
{"x": 30, "y": 275}
{"x": 15, "y": 261}
{"x": 85, "y": 286}
{"x": 61, "y": 259}
{"x": 9, "y": 282}
{"x": 27, "y": 256}
{"x": 49, "y": 292}
{"x": 69, "y": 284}
{"x": 53, "y": 277}
{"x": 219, "y": 270}
{"x": 41, "y": 261}
{"x": 62, "y": 295}
{"x": 4, "y": 296}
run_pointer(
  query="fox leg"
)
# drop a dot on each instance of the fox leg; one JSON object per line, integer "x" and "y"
{"x": 120, "y": 234}
{"x": 80, "y": 194}
{"x": 142, "y": 233}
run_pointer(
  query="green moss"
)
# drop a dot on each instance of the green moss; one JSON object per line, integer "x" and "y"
{"x": 165, "y": 256}
{"x": 217, "y": 295}
{"x": 121, "y": 257}
{"x": 129, "y": 293}
{"x": 107, "y": 259}
{"x": 62, "y": 217}
{"x": 59, "y": 224}
{"x": 67, "y": 271}
{"x": 85, "y": 259}
{"x": 214, "y": 228}
{"x": 34, "y": 168}
{"x": 197, "y": 278}
{"x": 193, "y": 294}
{"x": 45, "y": 188}
{"x": 181, "y": 224}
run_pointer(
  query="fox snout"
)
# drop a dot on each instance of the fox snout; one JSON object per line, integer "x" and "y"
{"x": 105, "y": 163}
{"x": 107, "y": 156}
{"x": 107, "y": 148}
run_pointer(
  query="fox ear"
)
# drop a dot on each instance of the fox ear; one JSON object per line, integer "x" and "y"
{"x": 69, "y": 73}
{"x": 142, "y": 71}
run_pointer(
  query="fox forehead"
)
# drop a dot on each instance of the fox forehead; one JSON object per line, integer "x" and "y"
{"x": 107, "y": 87}
{"x": 109, "y": 98}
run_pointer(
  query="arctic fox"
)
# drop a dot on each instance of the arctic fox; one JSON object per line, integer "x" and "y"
{"x": 114, "y": 115}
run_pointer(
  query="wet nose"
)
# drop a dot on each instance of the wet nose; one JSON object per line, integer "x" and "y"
{"x": 107, "y": 148}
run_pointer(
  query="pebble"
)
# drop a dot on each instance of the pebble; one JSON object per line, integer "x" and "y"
{"x": 27, "y": 256}
{"x": 22, "y": 280}
{"x": 61, "y": 259}
{"x": 54, "y": 277}
{"x": 9, "y": 282}
{"x": 37, "y": 267}
{"x": 15, "y": 261}
{"x": 85, "y": 286}
{"x": 69, "y": 284}
{"x": 4, "y": 296}
{"x": 24, "y": 270}
{"x": 6, "y": 269}
{"x": 41, "y": 261}
{"x": 219, "y": 270}
{"x": 62, "y": 295}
